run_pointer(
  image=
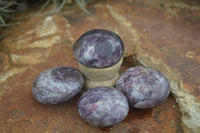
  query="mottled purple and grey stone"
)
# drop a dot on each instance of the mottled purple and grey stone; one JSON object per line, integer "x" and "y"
{"x": 144, "y": 87}
{"x": 103, "y": 106}
{"x": 57, "y": 85}
{"x": 98, "y": 48}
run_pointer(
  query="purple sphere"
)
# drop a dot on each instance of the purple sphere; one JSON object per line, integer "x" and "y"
{"x": 144, "y": 87}
{"x": 103, "y": 106}
{"x": 98, "y": 48}
{"x": 58, "y": 84}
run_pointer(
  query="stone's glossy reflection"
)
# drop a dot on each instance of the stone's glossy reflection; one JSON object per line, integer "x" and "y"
{"x": 103, "y": 106}
{"x": 58, "y": 84}
{"x": 144, "y": 87}
{"x": 98, "y": 48}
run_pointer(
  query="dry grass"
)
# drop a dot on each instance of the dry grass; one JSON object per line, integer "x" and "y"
{"x": 9, "y": 7}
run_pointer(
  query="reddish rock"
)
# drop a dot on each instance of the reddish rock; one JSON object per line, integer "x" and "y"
{"x": 160, "y": 34}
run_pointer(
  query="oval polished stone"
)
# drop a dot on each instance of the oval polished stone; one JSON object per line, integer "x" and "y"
{"x": 103, "y": 106}
{"x": 57, "y": 84}
{"x": 144, "y": 87}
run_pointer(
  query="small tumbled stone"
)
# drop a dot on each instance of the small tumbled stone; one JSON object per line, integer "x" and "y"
{"x": 144, "y": 87}
{"x": 98, "y": 48}
{"x": 57, "y": 85}
{"x": 103, "y": 106}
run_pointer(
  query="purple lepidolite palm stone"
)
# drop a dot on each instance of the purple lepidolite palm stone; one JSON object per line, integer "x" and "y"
{"x": 144, "y": 87}
{"x": 103, "y": 106}
{"x": 57, "y": 84}
{"x": 98, "y": 48}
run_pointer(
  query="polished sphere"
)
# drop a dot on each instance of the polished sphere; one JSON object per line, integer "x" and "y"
{"x": 98, "y": 48}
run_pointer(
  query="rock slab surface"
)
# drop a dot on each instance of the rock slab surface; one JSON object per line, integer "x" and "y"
{"x": 160, "y": 34}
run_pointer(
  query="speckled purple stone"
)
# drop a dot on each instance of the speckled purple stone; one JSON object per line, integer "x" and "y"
{"x": 58, "y": 84}
{"x": 143, "y": 87}
{"x": 103, "y": 106}
{"x": 98, "y": 49}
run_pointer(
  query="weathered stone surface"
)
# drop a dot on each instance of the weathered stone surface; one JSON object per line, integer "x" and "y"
{"x": 170, "y": 43}
{"x": 160, "y": 34}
